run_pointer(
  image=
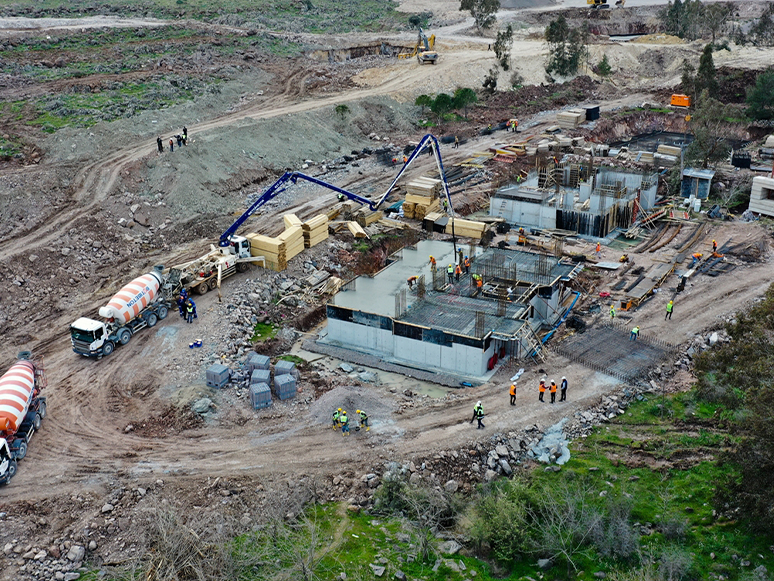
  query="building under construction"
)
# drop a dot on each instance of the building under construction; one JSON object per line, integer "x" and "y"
{"x": 576, "y": 197}
{"x": 459, "y": 327}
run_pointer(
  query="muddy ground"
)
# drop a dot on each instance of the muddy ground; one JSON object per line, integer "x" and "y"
{"x": 86, "y": 209}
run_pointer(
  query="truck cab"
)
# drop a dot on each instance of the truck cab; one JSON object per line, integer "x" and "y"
{"x": 88, "y": 336}
{"x": 239, "y": 246}
{"x": 8, "y": 464}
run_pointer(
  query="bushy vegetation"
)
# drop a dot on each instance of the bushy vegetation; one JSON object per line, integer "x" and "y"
{"x": 443, "y": 103}
{"x": 567, "y": 48}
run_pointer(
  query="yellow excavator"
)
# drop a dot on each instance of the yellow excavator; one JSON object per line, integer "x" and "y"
{"x": 423, "y": 50}
{"x": 596, "y": 4}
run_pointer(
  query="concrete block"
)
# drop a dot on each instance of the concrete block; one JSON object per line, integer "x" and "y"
{"x": 283, "y": 367}
{"x": 260, "y": 395}
{"x": 218, "y": 375}
{"x": 257, "y": 361}
{"x": 284, "y": 386}
{"x": 260, "y": 376}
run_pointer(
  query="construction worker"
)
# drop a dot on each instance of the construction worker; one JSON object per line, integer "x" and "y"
{"x": 445, "y": 205}
{"x": 635, "y": 333}
{"x": 467, "y": 265}
{"x": 459, "y": 257}
{"x": 340, "y": 197}
{"x": 599, "y": 250}
{"x": 479, "y": 282}
{"x": 336, "y": 416}
{"x": 410, "y": 281}
{"x": 563, "y": 387}
{"x": 394, "y": 161}
{"x": 478, "y": 414}
{"x": 513, "y": 393}
{"x": 612, "y": 311}
{"x": 696, "y": 258}
{"x": 364, "y": 420}
{"x": 457, "y": 272}
{"x": 553, "y": 391}
{"x": 432, "y": 263}
{"x": 181, "y": 302}
{"x": 669, "y": 308}
{"x": 344, "y": 420}
{"x": 159, "y": 144}
{"x": 541, "y": 390}
{"x": 456, "y": 142}
{"x": 189, "y": 311}
{"x": 450, "y": 273}
{"x": 405, "y": 160}
{"x": 714, "y": 246}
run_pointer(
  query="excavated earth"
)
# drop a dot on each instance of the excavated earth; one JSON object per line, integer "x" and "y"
{"x": 84, "y": 210}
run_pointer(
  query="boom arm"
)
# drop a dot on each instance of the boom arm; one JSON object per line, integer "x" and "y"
{"x": 276, "y": 189}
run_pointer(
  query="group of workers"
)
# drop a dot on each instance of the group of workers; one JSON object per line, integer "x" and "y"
{"x": 542, "y": 390}
{"x": 341, "y": 420}
{"x": 452, "y": 271}
{"x": 187, "y": 306}
{"x": 181, "y": 140}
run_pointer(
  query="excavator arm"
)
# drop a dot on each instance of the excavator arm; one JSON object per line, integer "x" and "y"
{"x": 276, "y": 189}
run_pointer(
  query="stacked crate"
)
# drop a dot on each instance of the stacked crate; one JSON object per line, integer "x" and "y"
{"x": 467, "y": 228}
{"x": 283, "y": 367}
{"x": 315, "y": 230}
{"x": 257, "y": 361}
{"x": 291, "y": 220}
{"x": 260, "y": 376}
{"x": 260, "y": 395}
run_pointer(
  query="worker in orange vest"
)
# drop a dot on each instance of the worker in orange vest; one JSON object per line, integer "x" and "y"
{"x": 553, "y": 392}
{"x": 696, "y": 258}
{"x": 513, "y": 394}
{"x": 542, "y": 390}
{"x": 457, "y": 273}
{"x": 479, "y": 282}
{"x": 467, "y": 265}
{"x": 599, "y": 250}
{"x": 714, "y": 246}
{"x": 432, "y": 263}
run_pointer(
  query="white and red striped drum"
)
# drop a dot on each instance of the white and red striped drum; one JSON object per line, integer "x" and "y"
{"x": 127, "y": 303}
{"x": 16, "y": 388}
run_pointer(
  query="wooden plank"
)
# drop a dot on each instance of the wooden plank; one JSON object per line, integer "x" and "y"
{"x": 291, "y": 235}
{"x": 291, "y": 220}
{"x": 319, "y": 221}
{"x": 422, "y": 200}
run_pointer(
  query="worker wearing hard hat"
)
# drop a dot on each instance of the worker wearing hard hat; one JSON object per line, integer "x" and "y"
{"x": 450, "y": 273}
{"x": 364, "y": 420}
{"x": 336, "y": 422}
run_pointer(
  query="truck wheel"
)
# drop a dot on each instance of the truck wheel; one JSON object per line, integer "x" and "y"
{"x": 243, "y": 266}
{"x": 22, "y": 451}
{"x": 152, "y": 320}
{"x": 124, "y": 336}
{"x": 42, "y": 410}
{"x": 214, "y": 283}
{"x": 13, "y": 468}
{"x": 162, "y": 312}
{"x": 203, "y": 288}
{"x": 107, "y": 348}
{"x": 36, "y": 422}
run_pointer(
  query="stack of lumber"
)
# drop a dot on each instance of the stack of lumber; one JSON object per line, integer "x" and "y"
{"x": 356, "y": 230}
{"x": 467, "y": 228}
{"x": 424, "y": 186}
{"x": 291, "y": 220}
{"x": 315, "y": 230}
{"x": 668, "y": 150}
{"x": 570, "y": 119}
{"x": 418, "y": 207}
{"x": 293, "y": 238}
{"x": 272, "y": 249}
{"x": 366, "y": 217}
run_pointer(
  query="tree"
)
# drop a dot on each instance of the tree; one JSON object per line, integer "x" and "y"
{"x": 683, "y": 19}
{"x": 341, "y": 110}
{"x": 502, "y": 47}
{"x": 705, "y": 76}
{"x": 604, "y": 67}
{"x": 414, "y": 20}
{"x": 490, "y": 81}
{"x": 708, "y": 128}
{"x": 483, "y": 11}
{"x": 716, "y": 16}
{"x": 688, "y": 80}
{"x": 423, "y": 101}
{"x": 566, "y": 47}
{"x": 441, "y": 105}
{"x": 762, "y": 32}
{"x": 517, "y": 80}
{"x": 760, "y": 98}
{"x": 462, "y": 98}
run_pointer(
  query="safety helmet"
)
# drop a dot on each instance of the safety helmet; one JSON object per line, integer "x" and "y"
{"x": 563, "y": 378}
{"x": 357, "y": 412}
{"x": 542, "y": 381}
{"x": 553, "y": 382}
{"x": 339, "y": 409}
{"x": 466, "y": 257}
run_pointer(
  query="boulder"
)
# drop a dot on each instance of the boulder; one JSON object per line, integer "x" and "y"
{"x": 451, "y": 486}
{"x": 76, "y": 553}
{"x": 378, "y": 570}
{"x": 450, "y": 547}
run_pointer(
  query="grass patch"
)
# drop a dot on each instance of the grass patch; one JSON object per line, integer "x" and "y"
{"x": 9, "y": 147}
{"x": 263, "y": 332}
{"x": 294, "y": 359}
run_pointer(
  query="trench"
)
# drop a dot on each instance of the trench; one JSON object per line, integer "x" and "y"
{"x": 338, "y": 55}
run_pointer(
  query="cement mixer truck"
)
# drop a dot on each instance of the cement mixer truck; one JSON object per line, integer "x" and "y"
{"x": 22, "y": 409}
{"x": 142, "y": 303}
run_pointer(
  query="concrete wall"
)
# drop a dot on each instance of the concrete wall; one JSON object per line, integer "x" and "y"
{"x": 760, "y": 203}
{"x": 457, "y": 358}
{"x": 524, "y": 213}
